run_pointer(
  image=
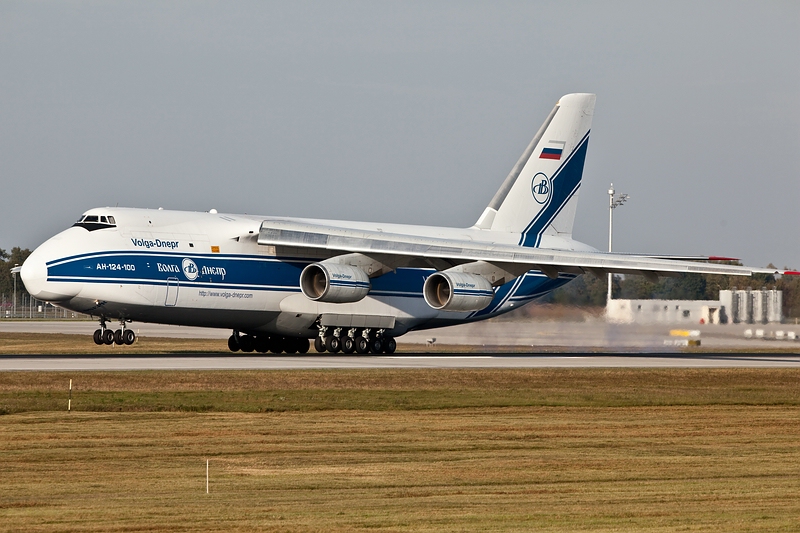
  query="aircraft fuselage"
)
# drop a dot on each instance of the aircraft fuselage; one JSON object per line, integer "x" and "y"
{"x": 207, "y": 269}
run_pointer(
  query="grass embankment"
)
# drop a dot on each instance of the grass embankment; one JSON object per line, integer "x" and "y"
{"x": 402, "y": 450}
{"x": 62, "y": 344}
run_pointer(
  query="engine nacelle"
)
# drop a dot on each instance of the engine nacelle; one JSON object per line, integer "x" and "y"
{"x": 457, "y": 291}
{"x": 329, "y": 282}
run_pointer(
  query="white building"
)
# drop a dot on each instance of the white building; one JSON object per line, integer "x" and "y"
{"x": 733, "y": 307}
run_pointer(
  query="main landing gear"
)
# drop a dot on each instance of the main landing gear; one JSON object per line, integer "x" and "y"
{"x": 109, "y": 336}
{"x": 267, "y": 343}
{"x": 362, "y": 341}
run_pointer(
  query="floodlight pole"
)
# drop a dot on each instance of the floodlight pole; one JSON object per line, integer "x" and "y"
{"x": 613, "y": 203}
{"x": 14, "y": 312}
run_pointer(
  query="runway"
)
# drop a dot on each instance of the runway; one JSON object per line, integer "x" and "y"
{"x": 539, "y": 335}
{"x": 199, "y": 362}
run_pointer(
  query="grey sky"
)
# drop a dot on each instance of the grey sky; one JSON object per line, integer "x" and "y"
{"x": 404, "y": 112}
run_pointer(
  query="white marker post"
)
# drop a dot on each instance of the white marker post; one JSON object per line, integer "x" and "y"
{"x": 69, "y": 402}
{"x": 206, "y": 476}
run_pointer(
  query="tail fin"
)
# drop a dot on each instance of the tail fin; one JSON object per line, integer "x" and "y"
{"x": 540, "y": 194}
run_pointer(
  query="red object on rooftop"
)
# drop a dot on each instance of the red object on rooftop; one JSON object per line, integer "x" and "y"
{"x": 719, "y": 258}
{"x": 791, "y": 272}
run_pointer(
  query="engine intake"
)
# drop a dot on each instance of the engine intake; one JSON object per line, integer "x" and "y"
{"x": 457, "y": 291}
{"x": 329, "y": 282}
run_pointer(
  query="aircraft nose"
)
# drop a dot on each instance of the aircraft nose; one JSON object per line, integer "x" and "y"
{"x": 34, "y": 276}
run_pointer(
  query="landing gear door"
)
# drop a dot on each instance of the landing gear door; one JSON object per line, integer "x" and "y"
{"x": 172, "y": 292}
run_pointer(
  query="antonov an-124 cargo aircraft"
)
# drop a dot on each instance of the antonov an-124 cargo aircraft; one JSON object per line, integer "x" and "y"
{"x": 279, "y": 283}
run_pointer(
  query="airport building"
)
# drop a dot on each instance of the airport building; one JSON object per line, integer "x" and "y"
{"x": 733, "y": 307}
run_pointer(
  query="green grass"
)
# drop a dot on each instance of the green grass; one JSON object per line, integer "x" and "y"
{"x": 256, "y": 391}
{"x": 402, "y": 450}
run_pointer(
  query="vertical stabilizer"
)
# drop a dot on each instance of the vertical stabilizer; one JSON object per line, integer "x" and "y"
{"x": 540, "y": 194}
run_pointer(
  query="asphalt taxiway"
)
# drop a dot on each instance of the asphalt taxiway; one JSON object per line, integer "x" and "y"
{"x": 528, "y": 335}
{"x": 555, "y": 344}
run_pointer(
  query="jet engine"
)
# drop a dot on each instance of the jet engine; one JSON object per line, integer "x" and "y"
{"x": 457, "y": 291}
{"x": 334, "y": 283}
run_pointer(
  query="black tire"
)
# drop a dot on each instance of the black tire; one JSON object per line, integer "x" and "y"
{"x": 319, "y": 344}
{"x": 333, "y": 344}
{"x": 389, "y": 345}
{"x": 376, "y": 345}
{"x": 277, "y": 345}
{"x": 362, "y": 345}
{"x": 263, "y": 344}
{"x": 348, "y": 345}
{"x": 290, "y": 345}
{"x": 303, "y": 345}
{"x": 118, "y": 337}
{"x": 232, "y": 344}
{"x": 128, "y": 337}
{"x": 98, "y": 336}
{"x": 246, "y": 343}
{"x": 108, "y": 336}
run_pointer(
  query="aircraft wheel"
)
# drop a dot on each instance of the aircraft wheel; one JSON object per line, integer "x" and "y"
{"x": 290, "y": 345}
{"x": 108, "y": 337}
{"x": 118, "y": 337}
{"x": 333, "y": 344}
{"x": 262, "y": 344}
{"x": 277, "y": 345}
{"x": 128, "y": 337}
{"x": 303, "y": 345}
{"x": 348, "y": 345}
{"x": 246, "y": 343}
{"x": 362, "y": 345}
{"x": 376, "y": 345}
{"x": 232, "y": 344}
{"x": 389, "y": 345}
{"x": 319, "y": 344}
{"x": 98, "y": 336}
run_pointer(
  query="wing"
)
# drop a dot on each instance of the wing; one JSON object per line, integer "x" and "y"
{"x": 441, "y": 253}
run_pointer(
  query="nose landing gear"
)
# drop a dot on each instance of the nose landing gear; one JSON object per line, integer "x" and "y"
{"x": 108, "y": 336}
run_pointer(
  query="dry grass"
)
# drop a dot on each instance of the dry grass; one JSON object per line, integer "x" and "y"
{"x": 720, "y": 468}
{"x": 403, "y": 450}
{"x": 58, "y": 343}
{"x": 62, "y": 344}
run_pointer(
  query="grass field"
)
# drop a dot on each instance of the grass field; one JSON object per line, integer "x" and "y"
{"x": 402, "y": 450}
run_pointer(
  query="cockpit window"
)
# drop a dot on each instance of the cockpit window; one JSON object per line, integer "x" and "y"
{"x": 95, "y": 222}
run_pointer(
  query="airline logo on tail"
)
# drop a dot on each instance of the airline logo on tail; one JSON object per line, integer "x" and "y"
{"x": 553, "y": 150}
{"x": 541, "y": 188}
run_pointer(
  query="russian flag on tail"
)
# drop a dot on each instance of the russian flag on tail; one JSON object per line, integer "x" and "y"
{"x": 553, "y": 150}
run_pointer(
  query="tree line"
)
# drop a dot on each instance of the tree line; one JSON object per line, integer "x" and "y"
{"x": 587, "y": 290}
{"x": 17, "y": 256}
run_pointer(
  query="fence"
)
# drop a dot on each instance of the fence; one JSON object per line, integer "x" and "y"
{"x": 31, "y": 308}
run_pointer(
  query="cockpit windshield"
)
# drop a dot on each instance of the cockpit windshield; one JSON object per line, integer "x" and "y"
{"x": 95, "y": 222}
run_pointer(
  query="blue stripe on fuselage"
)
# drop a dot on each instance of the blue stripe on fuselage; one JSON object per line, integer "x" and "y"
{"x": 259, "y": 273}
